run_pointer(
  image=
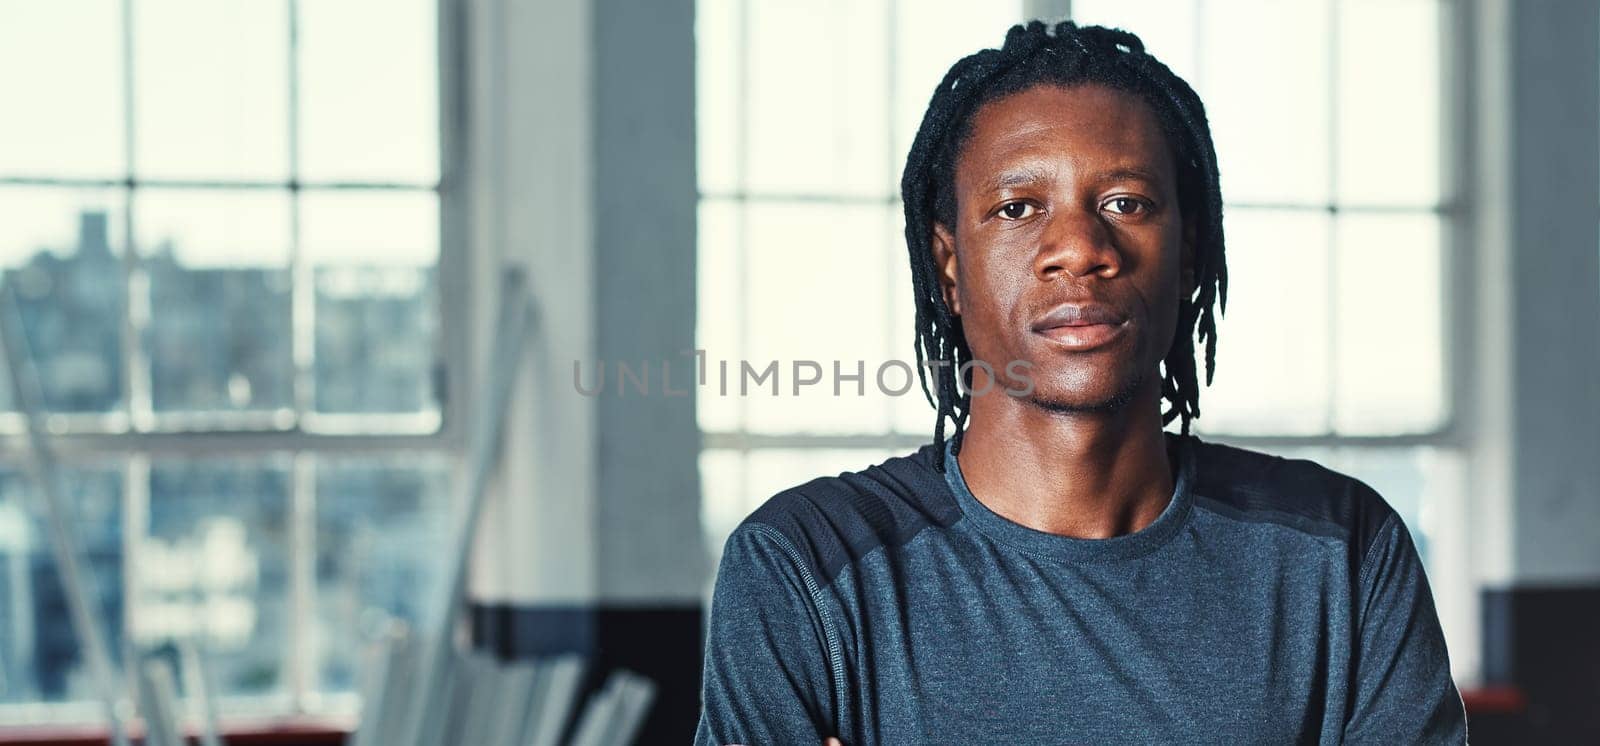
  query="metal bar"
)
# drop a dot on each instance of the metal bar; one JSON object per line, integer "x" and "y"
{"x": 383, "y": 666}
{"x": 452, "y": 348}
{"x": 78, "y": 581}
{"x": 511, "y": 331}
{"x": 157, "y": 698}
{"x": 199, "y": 686}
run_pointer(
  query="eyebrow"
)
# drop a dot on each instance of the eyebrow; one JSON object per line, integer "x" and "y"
{"x": 1017, "y": 177}
{"x": 1129, "y": 172}
{"x": 1031, "y": 175}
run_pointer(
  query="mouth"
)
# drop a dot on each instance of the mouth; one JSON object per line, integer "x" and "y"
{"x": 1081, "y": 326}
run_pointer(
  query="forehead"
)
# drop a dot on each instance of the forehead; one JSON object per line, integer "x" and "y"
{"x": 1086, "y": 125}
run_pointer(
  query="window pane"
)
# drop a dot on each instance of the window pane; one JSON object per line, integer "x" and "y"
{"x": 373, "y": 255}
{"x": 381, "y": 532}
{"x": 63, "y": 249}
{"x": 1415, "y": 481}
{"x": 61, "y": 81}
{"x": 1407, "y": 478}
{"x": 1389, "y": 91}
{"x": 930, "y": 36}
{"x": 723, "y": 501}
{"x": 217, "y": 263}
{"x": 815, "y": 293}
{"x": 910, "y": 411}
{"x": 1389, "y": 346}
{"x": 717, "y": 75}
{"x": 211, "y": 90}
{"x": 735, "y": 483}
{"x": 40, "y": 653}
{"x": 369, "y": 101}
{"x": 818, "y": 115}
{"x": 1265, "y": 91}
{"x": 1272, "y": 343}
{"x": 773, "y": 470}
{"x": 1167, "y": 28}
{"x": 215, "y": 569}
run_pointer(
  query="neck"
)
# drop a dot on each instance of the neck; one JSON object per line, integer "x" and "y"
{"x": 1091, "y": 475}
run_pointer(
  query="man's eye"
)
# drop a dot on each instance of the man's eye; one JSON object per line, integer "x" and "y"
{"x": 1125, "y": 205}
{"x": 1016, "y": 210}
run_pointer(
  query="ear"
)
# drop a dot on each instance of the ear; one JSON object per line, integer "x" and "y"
{"x": 944, "y": 261}
{"x": 1186, "y": 259}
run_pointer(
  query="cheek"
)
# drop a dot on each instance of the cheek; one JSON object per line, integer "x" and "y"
{"x": 989, "y": 299}
{"x": 1165, "y": 296}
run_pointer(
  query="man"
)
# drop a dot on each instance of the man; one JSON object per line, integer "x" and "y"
{"x": 1063, "y": 570}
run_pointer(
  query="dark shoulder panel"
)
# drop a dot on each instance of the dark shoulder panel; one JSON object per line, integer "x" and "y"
{"x": 832, "y": 521}
{"x": 1303, "y": 494}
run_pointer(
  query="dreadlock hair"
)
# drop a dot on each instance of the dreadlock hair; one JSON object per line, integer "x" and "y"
{"x": 1066, "y": 55}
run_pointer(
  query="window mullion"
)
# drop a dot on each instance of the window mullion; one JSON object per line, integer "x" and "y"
{"x": 136, "y": 394}
{"x": 135, "y": 527}
{"x": 742, "y": 210}
{"x": 1330, "y": 413}
{"x": 301, "y": 667}
{"x": 891, "y": 54}
{"x": 302, "y": 297}
{"x": 302, "y": 344}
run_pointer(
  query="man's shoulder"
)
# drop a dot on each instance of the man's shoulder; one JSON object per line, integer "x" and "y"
{"x": 1250, "y": 485}
{"x": 831, "y": 521}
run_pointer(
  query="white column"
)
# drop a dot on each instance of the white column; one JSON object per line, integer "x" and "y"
{"x": 529, "y": 183}
{"x": 1553, "y": 270}
{"x": 581, "y": 168}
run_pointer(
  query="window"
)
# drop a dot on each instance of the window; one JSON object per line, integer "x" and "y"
{"x": 1335, "y": 340}
{"x": 1326, "y": 118}
{"x": 800, "y": 152}
{"x": 222, "y": 223}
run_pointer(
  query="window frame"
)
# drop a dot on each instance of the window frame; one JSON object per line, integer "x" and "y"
{"x": 133, "y": 438}
{"x": 1456, "y": 280}
{"x": 1455, "y": 211}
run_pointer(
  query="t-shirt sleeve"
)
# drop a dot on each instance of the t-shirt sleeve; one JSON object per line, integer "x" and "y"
{"x": 767, "y": 676}
{"x": 1403, "y": 691}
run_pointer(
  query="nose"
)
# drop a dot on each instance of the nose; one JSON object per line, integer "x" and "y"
{"x": 1076, "y": 242}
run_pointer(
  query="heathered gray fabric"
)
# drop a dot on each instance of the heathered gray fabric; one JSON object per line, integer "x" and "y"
{"x": 1273, "y": 601}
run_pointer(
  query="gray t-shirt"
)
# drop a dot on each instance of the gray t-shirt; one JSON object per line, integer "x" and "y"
{"x": 1272, "y": 601}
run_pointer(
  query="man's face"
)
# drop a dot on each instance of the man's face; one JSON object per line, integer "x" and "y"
{"x": 1069, "y": 252}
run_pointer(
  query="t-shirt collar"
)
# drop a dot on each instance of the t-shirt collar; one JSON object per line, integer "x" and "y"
{"x": 1071, "y": 549}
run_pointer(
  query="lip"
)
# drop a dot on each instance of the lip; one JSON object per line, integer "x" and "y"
{"x": 1081, "y": 326}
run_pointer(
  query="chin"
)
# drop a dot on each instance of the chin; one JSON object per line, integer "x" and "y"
{"x": 1066, "y": 395}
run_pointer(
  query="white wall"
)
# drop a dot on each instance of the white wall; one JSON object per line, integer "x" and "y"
{"x": 1554, "y": 276}
{"x": 1531, "y": 313}
{"x": 581, "y": 169}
